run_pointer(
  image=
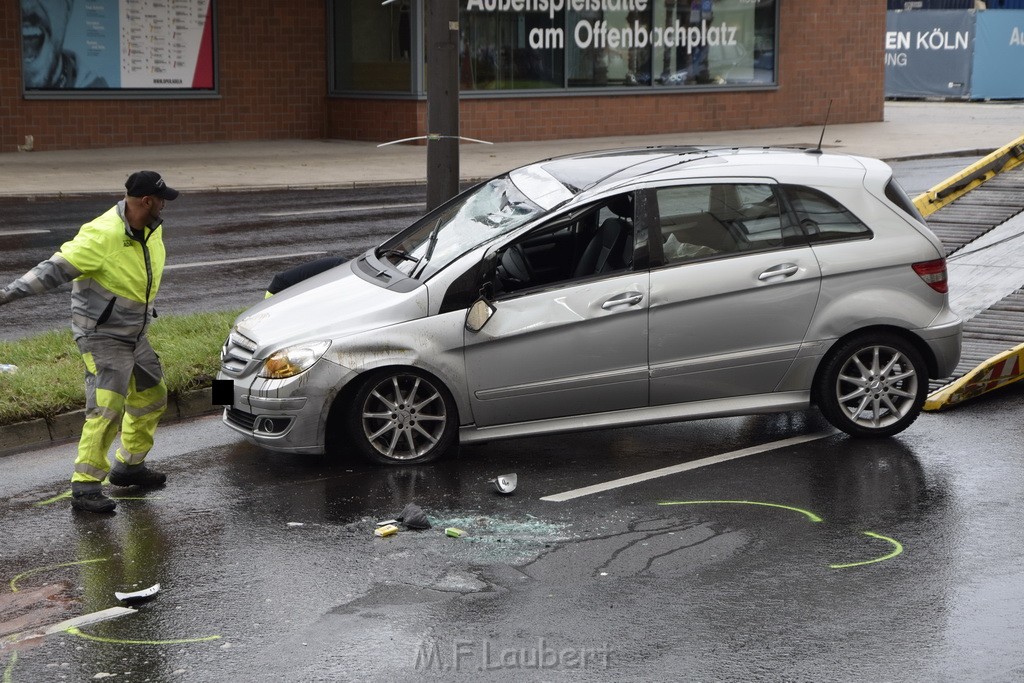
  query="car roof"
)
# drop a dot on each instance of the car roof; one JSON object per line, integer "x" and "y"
{"x": 594, "y": 171}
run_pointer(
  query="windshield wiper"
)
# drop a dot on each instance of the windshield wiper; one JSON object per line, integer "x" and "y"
{"x": 431, "y": 243}
{"x": 399, "y": 253}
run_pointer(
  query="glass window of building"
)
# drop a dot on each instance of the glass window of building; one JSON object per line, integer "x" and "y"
{"x": 510, "y": 51}
{"x": 372, "y": 44}
{"x": 552, "y": 45}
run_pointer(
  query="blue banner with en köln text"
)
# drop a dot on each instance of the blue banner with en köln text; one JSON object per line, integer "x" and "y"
{"x": 928, "y": 53}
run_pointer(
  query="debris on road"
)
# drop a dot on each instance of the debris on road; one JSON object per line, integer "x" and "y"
{"x": 139, "y": 595}
{"x": 413, "y": 517}
{"x": 505, "y": 483}
{"x": 89, "y": 619}
{"x": 386, "y": 530}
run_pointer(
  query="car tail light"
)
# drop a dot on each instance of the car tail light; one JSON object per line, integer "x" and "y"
{"x": 933, "y": 273}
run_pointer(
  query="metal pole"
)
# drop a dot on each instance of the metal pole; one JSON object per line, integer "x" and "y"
{"x": 442, "y": 101}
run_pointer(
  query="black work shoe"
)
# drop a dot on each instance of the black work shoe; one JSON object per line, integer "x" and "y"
{"x": 136, "y": 475}
{"x": 94, "y": 501}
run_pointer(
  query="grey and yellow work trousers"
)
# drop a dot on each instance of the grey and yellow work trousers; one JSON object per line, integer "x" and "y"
{"x": 124, "y": 387}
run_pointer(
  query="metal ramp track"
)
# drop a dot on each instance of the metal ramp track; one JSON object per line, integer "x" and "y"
{"x": 988, "y": 334}
{"x": 980, "y": 210}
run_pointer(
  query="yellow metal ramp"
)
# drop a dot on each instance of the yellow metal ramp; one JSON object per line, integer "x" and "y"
{"x": 981, "y": 209}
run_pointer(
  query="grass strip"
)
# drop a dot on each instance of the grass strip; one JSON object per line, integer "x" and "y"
{"x": 49, "y": 379}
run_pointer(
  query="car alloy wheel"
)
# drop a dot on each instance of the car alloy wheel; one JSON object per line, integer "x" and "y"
{"x": 402, "y": 416}
{"x": 873, "y": 385}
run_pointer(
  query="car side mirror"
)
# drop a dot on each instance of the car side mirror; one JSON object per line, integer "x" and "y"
{"x": 479, "y": 313}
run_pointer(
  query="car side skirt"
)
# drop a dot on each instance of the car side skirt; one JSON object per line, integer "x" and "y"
{"x": 722, "y": 407}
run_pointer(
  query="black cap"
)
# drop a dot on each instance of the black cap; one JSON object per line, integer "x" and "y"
{"x": 146, "y": 183}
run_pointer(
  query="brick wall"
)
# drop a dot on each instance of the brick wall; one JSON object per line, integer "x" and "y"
{"x": 273, "y": 83}
{"x": 827, "y": 50}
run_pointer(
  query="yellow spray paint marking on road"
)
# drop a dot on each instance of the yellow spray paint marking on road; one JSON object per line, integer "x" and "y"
{"x": 67, "y": 494}
{"x": 896, "y": 544}
{"x": 898, "y": 547}
{"x": 9, "y": 671}
{"x": 116, "y": 641}
{"x": 810, "y": 515}
{"x": 19, "y": 577}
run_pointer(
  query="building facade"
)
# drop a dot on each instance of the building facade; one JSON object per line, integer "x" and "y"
{"x": 77, "y": 74}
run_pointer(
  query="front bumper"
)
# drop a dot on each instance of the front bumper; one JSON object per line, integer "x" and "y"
{"x": 287, "y": 415}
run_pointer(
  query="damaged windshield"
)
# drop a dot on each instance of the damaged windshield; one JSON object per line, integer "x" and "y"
{"x": 483, "y": 213}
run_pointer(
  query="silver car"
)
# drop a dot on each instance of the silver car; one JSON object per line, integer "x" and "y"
{"x": 613, "y": 288}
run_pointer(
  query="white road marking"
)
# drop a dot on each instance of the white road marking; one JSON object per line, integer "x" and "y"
{"x": 345, "y": 209}
{"x": 684, "y": 467}
{"x": 232, "y": 261}
{"x": 6, "y": 233}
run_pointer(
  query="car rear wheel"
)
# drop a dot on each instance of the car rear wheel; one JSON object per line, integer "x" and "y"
{"x": 873, "y": 385}
{"x": 402, "y": 416}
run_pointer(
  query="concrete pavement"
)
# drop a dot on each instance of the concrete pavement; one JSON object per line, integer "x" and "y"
{"x": 910, "y": 130}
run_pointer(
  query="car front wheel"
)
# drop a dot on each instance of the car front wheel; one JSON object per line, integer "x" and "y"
{"x": 401, "y": 416}
{"x": 873, "y": 385}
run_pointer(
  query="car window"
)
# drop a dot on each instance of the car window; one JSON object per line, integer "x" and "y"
{"x": 706, "y": 221}
{"x": 585, "y": 242}
{"x": 898, "y": 196}
{"x": 824, "y": 219}
{"x": 472, "y": 218}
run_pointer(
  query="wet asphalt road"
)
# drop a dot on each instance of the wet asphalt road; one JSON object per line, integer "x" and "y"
{"x": 275, "y": 556}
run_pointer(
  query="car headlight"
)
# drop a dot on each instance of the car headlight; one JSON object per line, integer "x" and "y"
{"x": 293, "y": 360}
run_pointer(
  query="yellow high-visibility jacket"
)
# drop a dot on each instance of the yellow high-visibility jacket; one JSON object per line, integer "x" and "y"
{"x": 116, "y": 276}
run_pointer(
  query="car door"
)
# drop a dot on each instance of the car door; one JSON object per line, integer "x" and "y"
{"x": 573, "y": 345}
{"x": 732, "y": 291}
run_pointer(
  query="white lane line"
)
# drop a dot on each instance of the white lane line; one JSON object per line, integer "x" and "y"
{"x": 684, "y": 467}
{"x": 5, "y": 233}
{"x": 228, "y": 262}
{"x": 345, "y": 209}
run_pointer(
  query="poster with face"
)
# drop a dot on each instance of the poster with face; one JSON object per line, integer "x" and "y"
{"x": 70, "y": 45}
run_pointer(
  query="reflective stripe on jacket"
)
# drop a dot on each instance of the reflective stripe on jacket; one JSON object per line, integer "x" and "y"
{"x": 116, "y": 277}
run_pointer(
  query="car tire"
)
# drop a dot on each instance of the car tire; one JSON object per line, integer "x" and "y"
{"x": 402, "y": 416}
{"x": 872, "y": 385}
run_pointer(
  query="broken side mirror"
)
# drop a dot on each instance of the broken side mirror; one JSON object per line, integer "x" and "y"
{"x": 481, "y": 311}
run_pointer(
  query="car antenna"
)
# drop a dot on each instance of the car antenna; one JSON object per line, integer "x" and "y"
{"x": 817, "y": 150}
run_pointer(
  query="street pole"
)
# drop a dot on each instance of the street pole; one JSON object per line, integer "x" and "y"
{"x": 442, "y": 101}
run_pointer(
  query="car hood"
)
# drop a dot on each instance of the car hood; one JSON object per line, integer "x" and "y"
{"x": 329, "y": 306}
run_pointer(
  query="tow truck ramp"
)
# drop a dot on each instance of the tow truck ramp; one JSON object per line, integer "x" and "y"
{"x": 979, "y": 216}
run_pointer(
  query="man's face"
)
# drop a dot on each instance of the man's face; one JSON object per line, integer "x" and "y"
{"x": 155, "y": 206}
{"x": 43, "y": 24}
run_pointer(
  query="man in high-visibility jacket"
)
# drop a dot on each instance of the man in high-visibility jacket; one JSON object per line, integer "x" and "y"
{"x": 115, "y": 261}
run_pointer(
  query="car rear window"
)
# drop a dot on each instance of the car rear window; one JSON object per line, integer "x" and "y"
{"x": 824, "y": 219}
{"x": 895, "y": 193}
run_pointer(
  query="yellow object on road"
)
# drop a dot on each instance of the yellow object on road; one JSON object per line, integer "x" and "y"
{"x": 998, "y": 371}
{"x": 386, "y": 530}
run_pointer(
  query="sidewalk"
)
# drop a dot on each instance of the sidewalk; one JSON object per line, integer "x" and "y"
{"x": 910, "y": 130}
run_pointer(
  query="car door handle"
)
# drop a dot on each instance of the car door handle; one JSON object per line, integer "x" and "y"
{"x": 781, "y": 270}
{"x": 624, "y": 299}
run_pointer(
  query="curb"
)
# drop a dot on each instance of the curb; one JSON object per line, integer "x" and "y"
{"x": 67, "y": 427}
